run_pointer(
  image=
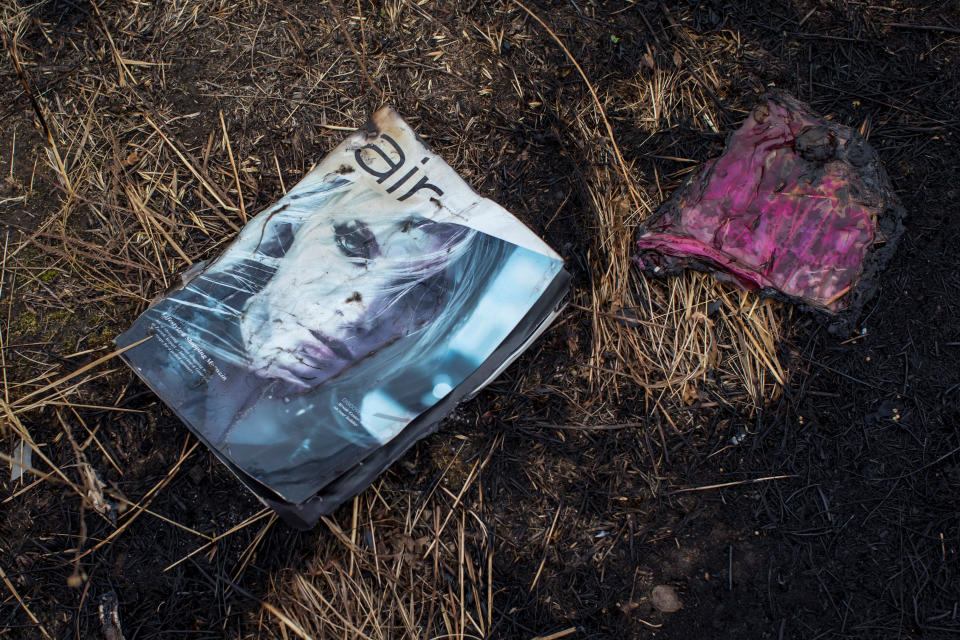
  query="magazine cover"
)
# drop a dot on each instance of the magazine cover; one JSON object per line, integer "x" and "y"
{"x": 360, "y": 307}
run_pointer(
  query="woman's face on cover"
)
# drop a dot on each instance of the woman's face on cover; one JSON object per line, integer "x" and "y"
{"x": 346, "y": 287}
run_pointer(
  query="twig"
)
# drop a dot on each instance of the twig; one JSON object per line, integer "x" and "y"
{"x": 730, "y": 568}
{"x": 5, "y": 333}
{"x": 360, "y": 58}
{"x": 924, "y": 467}
{"x": 922, "y": 27}
{"x": 39, "y": 111}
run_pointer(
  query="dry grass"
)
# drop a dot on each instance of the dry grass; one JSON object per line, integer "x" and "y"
{"x": 669, "y": 336}
{"x": 399, "y": 568}
{"x": 144, "y": 165}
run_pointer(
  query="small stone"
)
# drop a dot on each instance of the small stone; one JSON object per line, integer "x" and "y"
{"x": 665, "y": 599}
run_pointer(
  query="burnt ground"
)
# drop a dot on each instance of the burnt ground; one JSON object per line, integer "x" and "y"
{"x": 861, "y": 540}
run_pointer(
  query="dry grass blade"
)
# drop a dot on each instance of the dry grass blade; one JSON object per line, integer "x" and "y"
{"x": 134, "y": 512}
{"x": 724, "y": 485}
{"x": 20, "y": 430}
{"x": 123, "y": 73}
{"x": 558, "y": 634}
{"x": 546, "y": 548}
{"x": 233, "y": 165}
{"x": 287, "y": 622}
{"x": 264, "y": 513}
{"x": 16, "y": 595}
{"x": 78, "y": 372}
{"x": 217, "y": 194}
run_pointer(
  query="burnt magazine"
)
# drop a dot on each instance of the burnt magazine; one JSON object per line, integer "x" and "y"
{"x": 346, "y": 320}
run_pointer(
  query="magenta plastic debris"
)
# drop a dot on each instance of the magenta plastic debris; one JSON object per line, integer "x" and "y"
{"x": 797, "y": 207}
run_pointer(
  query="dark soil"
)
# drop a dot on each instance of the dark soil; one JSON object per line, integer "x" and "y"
{"x": 862, "y": 540}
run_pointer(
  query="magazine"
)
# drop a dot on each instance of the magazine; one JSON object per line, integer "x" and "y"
{"x": 346, "y": 320}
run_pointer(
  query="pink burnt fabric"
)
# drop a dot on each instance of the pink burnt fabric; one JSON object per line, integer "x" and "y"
{"x": 794, "y": 207}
